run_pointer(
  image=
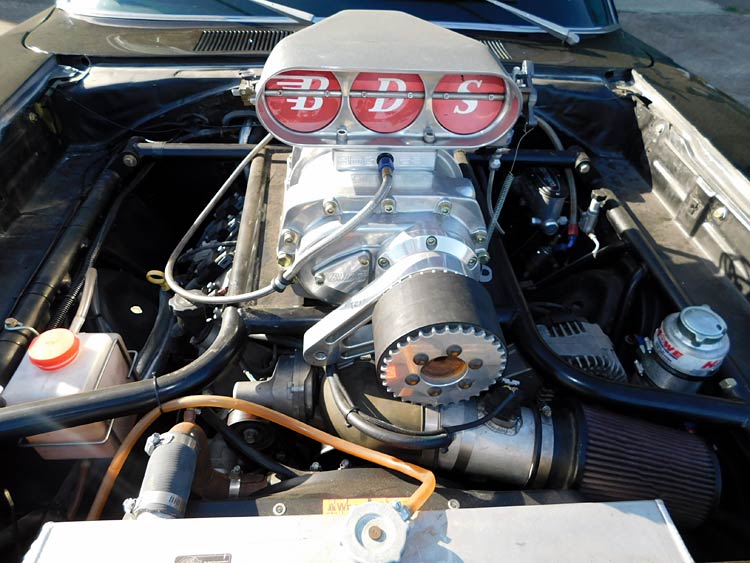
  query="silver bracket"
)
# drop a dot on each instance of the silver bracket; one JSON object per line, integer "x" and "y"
{"x": 324, "y": 342}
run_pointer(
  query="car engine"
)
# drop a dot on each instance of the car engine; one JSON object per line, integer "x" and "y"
{"x": 412, "y": 259}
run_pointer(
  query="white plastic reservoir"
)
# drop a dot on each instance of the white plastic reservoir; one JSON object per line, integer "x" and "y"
{"x": 58, "y": 363}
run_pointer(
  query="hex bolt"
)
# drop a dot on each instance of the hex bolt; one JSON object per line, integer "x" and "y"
{"x": 720, "y": 213}
{"x": 484, "y": 256}
{"x": 475, "y": 363}
{"x": 330, "y": 207}
{"x": 389, "y": 205}
{"x": 435, "y": 392}
{"x": 584, "y": 167}
{"x": 375, "y": 532}
{"x": 320, "y": 279}
{"x": 129, "y": 160}
{"x": 480, "y": 236}
{"x": 454, "y": 350}
{"x": 284, "y": 259}
{"x": 431, "y": 242}
{"x": 421, "y": 359}
{"x": 383, "y": 262}
{"x": 289, "y": 237}
{"x": 412, "y": 379}
{"x": 320, "y": 356}
{"x": 465, "y": 384}
{"x": 279, "y": 509}
{"x": 444, "y": 207}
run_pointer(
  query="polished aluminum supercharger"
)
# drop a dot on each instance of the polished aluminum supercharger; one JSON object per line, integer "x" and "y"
{"x": 687, "y": 348}
{"x": 343, "y": 109}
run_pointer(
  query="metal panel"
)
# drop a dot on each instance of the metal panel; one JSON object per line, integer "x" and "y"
{"x": 614, "y": 532}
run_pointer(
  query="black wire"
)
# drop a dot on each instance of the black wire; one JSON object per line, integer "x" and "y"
{"x": 239, "y": 445}
{"x": 444, "y": 430}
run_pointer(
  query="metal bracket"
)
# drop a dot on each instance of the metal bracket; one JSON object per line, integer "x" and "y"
{"x": 324, "y": 341}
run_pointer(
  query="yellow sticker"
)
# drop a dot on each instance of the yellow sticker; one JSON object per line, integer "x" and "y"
{"x": 341, "y": 506}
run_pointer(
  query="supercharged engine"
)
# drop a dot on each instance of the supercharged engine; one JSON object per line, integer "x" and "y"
{"x": 412, "y": 259}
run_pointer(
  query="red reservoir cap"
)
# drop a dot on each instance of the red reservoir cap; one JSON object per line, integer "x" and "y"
{"x": 54, "y": 349}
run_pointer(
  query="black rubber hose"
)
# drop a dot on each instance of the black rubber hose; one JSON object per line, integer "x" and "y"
{"x": 618, "y": 332}
{"x": 551, "y": 367}
{"x": 235, "y": 442}
{"x": 96, "y": 247}
{"x": 158, "y": 336}
{"x": 45, "y": 416}
{"x": 395, "y": 439}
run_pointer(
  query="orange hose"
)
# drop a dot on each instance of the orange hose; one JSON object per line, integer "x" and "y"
{"x": 414, "y": 503}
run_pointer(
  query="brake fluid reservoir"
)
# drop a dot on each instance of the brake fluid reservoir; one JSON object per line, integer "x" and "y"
{"x": 59, "y": 363}
{"x": 687, "y": 348}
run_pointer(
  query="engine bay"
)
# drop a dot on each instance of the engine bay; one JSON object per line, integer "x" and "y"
{"x": 421, "y": 256}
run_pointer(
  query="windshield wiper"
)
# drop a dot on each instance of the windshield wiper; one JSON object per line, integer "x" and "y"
{"x": 297, "y": 15}
{"x": 552, "y": 28}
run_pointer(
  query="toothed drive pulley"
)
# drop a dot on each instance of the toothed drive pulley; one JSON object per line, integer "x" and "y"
{"x": 437, "y": 339}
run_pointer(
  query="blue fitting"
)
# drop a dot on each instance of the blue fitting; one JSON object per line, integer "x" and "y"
{"x": 385, "y": 160}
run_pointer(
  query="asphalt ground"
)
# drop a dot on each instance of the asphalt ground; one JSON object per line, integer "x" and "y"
{"x": 707, "y": 37}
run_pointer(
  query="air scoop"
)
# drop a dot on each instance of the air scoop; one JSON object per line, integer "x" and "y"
{"x": 357, "y": 79}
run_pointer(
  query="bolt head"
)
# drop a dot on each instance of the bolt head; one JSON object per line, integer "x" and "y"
{"x": 584, "y": 167}
{"x": 546, "y": 411}
{"x": 480, "y": 236}
{"x": 375, "y": 533}
{"x": 289, "y": 237}
{"x": 472, "y": 262}
{"x": 33, "y": 117}
{"x": 444, "y": 207}
{"x": 320, "y": 356}
{"x": 250, "y": 435}
{"x": 284, "y": 259}
{"x": 431, "y": 242}
{"x": 412, "y": 379}
{"x": 465, "y": 384}
{"x": 720, "y": 213}
{"x": 129, "y": 160}
{"x": 279, "y": 509}
{"x": 435, "y": 392}
{"x": 364, "y": 260}
{"x": 484, "y": 256}
{"x": 475, "y": 364}
{"x": 330, "y": 207}
{"x": 383, "y": 262}
{"x": 389, "y": 205}
{"x": 454, "y": 351}
{"x": 320, "y": 279}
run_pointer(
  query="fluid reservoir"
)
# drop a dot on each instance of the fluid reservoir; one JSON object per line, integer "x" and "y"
{"x": 687, "y": 348}
{"x": 59, "y": 363}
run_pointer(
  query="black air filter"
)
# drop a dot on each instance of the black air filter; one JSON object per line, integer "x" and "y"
{"x": 625, "y": 458}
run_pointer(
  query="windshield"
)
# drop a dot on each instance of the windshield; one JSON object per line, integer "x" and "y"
{"x": 581, "y": 15}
